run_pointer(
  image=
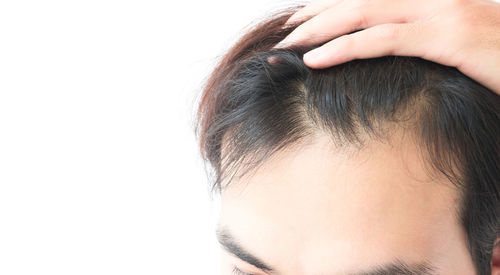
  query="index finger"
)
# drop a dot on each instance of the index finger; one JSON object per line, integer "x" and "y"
{"x": 312, "y": 9}
{"x": 349, "y": 16}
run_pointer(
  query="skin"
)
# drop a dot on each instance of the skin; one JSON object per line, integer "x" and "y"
{"x": 317, "y": 210}
{"x": 307, "y": 204}
{"x": 458, "y": 33}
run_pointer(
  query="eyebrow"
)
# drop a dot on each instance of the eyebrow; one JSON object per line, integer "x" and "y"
{"x": 231, "y": 245}
{"x": 396, "y": 267}
{"x": 399, "y": 267}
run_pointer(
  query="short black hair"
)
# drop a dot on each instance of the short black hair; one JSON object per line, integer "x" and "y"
{"x": 259, "y": 100}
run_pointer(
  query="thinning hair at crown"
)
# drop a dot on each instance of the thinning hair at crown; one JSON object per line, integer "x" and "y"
{"x": 259, "y": 101}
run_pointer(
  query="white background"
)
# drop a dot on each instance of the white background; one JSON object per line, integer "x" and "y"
{"x": 99, "y": 166}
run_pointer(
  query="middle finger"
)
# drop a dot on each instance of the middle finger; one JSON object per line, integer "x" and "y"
{"x": 351, "y": 15}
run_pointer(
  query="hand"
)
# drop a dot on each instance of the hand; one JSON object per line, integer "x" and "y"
{"x": 460, "y": 33}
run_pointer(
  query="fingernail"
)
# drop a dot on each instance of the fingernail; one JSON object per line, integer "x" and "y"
{"x": 282, "y": 44}
{"x": 286, "y": 42}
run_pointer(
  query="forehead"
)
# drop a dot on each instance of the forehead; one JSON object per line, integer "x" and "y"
{"x": 315, "y": 203}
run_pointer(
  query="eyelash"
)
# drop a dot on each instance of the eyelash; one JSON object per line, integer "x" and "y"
{"x": 237, "y": 271}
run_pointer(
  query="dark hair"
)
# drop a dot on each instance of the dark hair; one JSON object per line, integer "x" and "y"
{"x": 259, "y": 100}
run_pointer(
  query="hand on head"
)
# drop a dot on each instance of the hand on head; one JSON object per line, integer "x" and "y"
{"x": 463, "y": 33}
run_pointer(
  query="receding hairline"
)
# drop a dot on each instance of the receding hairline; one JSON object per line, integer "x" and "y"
{"x": 396, "y": 133}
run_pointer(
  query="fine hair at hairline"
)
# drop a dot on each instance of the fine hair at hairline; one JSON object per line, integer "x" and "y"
{"x": 260, "y": 100}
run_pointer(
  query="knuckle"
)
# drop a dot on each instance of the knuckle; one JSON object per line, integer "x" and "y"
{"x": 461, "y": 12}
{"x": 464, "y": 22}
{"x": 458, "y": 3}
{"x": 358, "y": 3}
{"x": 360, "y": 8}
{"x": 387, "y": 32}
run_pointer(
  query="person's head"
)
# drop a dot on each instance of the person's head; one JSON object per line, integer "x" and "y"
{"x": 388, "y": 165}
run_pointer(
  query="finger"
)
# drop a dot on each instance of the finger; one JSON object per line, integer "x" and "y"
{"x": 485, "y": 72}
{"x": 349, "y": 16}
{"x": 412, "y": 39}
{"x": 311, "y": 10}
